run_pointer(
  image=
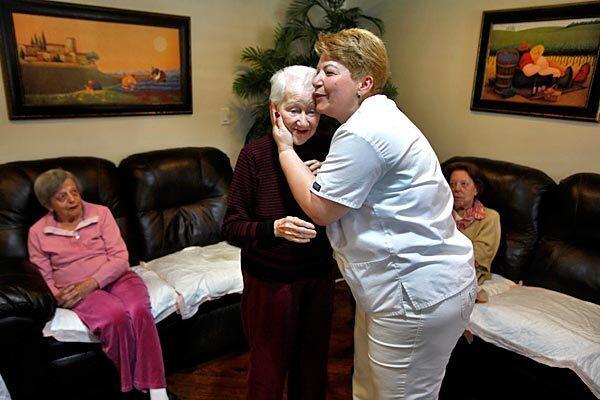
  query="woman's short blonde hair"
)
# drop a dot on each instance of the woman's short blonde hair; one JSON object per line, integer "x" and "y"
{"x": 361, "y": 51}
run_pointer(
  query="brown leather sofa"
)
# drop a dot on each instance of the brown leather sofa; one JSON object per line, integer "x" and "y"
{"x": 163, "y": 201}
{"x": 550, "y": 239}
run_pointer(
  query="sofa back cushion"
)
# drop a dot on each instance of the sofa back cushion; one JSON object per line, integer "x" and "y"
{"x": 568, "y": 256}
{"x": 514, "y": 191}
{"x": 19, "y": 208}
{"x": 178, "y": 197}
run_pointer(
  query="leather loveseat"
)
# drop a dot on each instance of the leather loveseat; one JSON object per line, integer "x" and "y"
{"x": 163, "y": 201}
{"x": 550, "y": 239}
{"x": 166, "y": 200}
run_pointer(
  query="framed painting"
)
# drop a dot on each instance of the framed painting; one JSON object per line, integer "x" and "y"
{"x": 540, "y": 61}
{"x": 68, "y": 60}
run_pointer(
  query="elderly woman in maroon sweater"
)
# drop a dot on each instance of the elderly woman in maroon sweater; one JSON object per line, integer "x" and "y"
{"x": 286, "y": 260}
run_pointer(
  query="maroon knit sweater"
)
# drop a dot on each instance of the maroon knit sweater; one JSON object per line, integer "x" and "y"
{"x": 259, "y": 195}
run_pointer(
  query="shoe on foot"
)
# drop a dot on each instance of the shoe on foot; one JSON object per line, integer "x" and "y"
{"x": 582, "y": 74}
{"x": 565, "y": 81}
{"x": 172, "y": 396}
{"x": 135, "y": 394}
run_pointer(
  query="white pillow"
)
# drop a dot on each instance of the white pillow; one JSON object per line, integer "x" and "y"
{"x": 200, "y": 274}
{"x": 67, "y": 327}
{"x": 546, "y": 326}
{"x": 497, "y": 285}
{"x": 163, "y": 298}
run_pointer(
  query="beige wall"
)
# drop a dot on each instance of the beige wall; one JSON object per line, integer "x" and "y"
{"x": 433, "y": 46}
{"x": 220, "y": 29}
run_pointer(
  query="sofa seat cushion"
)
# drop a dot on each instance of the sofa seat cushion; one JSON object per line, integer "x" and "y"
{"x": 547, "y": 326}
{"x": 200, "y": 274}
{"x": 66, "y": 326}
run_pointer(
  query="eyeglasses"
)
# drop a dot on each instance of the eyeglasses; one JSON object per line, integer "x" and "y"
{"x": 64, "y": 196}
{"x": 460, "y": 184}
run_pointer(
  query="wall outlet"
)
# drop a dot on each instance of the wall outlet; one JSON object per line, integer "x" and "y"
{"x": 225, "y": 116}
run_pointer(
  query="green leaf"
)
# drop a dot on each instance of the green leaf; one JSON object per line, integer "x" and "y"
{"x": 299, "y": 9}
{"x": 376, "y": 21}
{"x": 252, "y": 84}
{"x": 390, "y": 90}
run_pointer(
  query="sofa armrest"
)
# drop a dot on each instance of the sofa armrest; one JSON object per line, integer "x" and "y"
{"x": 23, "y": 291}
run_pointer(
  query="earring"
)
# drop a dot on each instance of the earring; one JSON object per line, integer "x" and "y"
{"x": 358, "y": 95}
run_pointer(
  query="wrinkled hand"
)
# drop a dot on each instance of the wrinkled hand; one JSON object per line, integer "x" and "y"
{"x": 66, "y": 298}
{"x": 281, "y": 134}
{"x": 72, "y": 295}
{"x": 314, "y": 166}
{"x": 294, "y": 229}
{"x": 482, "y": 296}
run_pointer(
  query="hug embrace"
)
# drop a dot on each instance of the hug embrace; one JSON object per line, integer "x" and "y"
{"x": 372, "y": 199}
{"x": 387, "y": 209}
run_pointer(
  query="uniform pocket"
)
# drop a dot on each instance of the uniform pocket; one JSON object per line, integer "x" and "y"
{"x": 375, "y": 285}
{"x": 467, "y": 301}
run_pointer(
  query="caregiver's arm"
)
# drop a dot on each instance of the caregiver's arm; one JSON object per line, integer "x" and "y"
{"x": 300, "y": 179}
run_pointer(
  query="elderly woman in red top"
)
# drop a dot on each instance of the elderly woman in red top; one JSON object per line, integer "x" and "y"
{"x": 287, "y": 261}
{"x": 79, "y": 251}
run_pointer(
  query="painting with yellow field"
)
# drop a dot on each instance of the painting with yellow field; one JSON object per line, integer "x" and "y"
{"x": 540, "y": 61}
{"x": 76, "y": 60}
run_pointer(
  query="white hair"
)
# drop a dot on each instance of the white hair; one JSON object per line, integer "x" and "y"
{"x": 300, "y": 75}
{"x": 49, "y": 183}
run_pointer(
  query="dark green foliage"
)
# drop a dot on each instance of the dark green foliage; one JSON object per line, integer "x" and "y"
{"x": 92, "y": 56}
{"x": 294, "y": 42}
{"x": 596, "y": 21}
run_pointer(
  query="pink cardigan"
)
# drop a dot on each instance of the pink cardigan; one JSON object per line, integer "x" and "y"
{"x": 94, "y": 249}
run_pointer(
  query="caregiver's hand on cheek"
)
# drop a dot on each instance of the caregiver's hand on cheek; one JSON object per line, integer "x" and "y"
{"x": 281, "y": 134}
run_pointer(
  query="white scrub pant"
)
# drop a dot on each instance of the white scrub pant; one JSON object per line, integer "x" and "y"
{"x": 405, "y": 356}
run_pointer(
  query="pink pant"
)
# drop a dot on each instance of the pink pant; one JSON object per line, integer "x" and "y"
{"x": 120, "y": 316}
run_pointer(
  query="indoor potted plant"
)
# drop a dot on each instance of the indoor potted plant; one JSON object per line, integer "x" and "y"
{"x": 294, "y": 44}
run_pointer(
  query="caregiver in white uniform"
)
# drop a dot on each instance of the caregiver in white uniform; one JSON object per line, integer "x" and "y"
{"x": 388, "y": 211}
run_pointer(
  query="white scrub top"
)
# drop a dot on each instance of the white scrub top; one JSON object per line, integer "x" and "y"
{"x": 399, "y": 232}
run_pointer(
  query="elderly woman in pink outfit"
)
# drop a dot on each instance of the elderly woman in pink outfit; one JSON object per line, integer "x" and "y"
{"x": 79, "y": 251}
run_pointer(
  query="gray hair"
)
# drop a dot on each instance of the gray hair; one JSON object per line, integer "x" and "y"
{"x": 49, "y": 183}
{"x": 300, "y": 74}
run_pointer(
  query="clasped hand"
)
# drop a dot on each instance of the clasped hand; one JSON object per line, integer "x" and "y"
{"x": 313, "y": 166}
{"x": 295, "y": 229}
{"x": 73, "y": 294}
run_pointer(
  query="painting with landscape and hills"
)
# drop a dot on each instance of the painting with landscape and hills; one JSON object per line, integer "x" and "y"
{"x": 108, "y": 64}
{"x": 545, "y": 62}
{"x": 90, "y": 62}
{"x": 540, "y": 61}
